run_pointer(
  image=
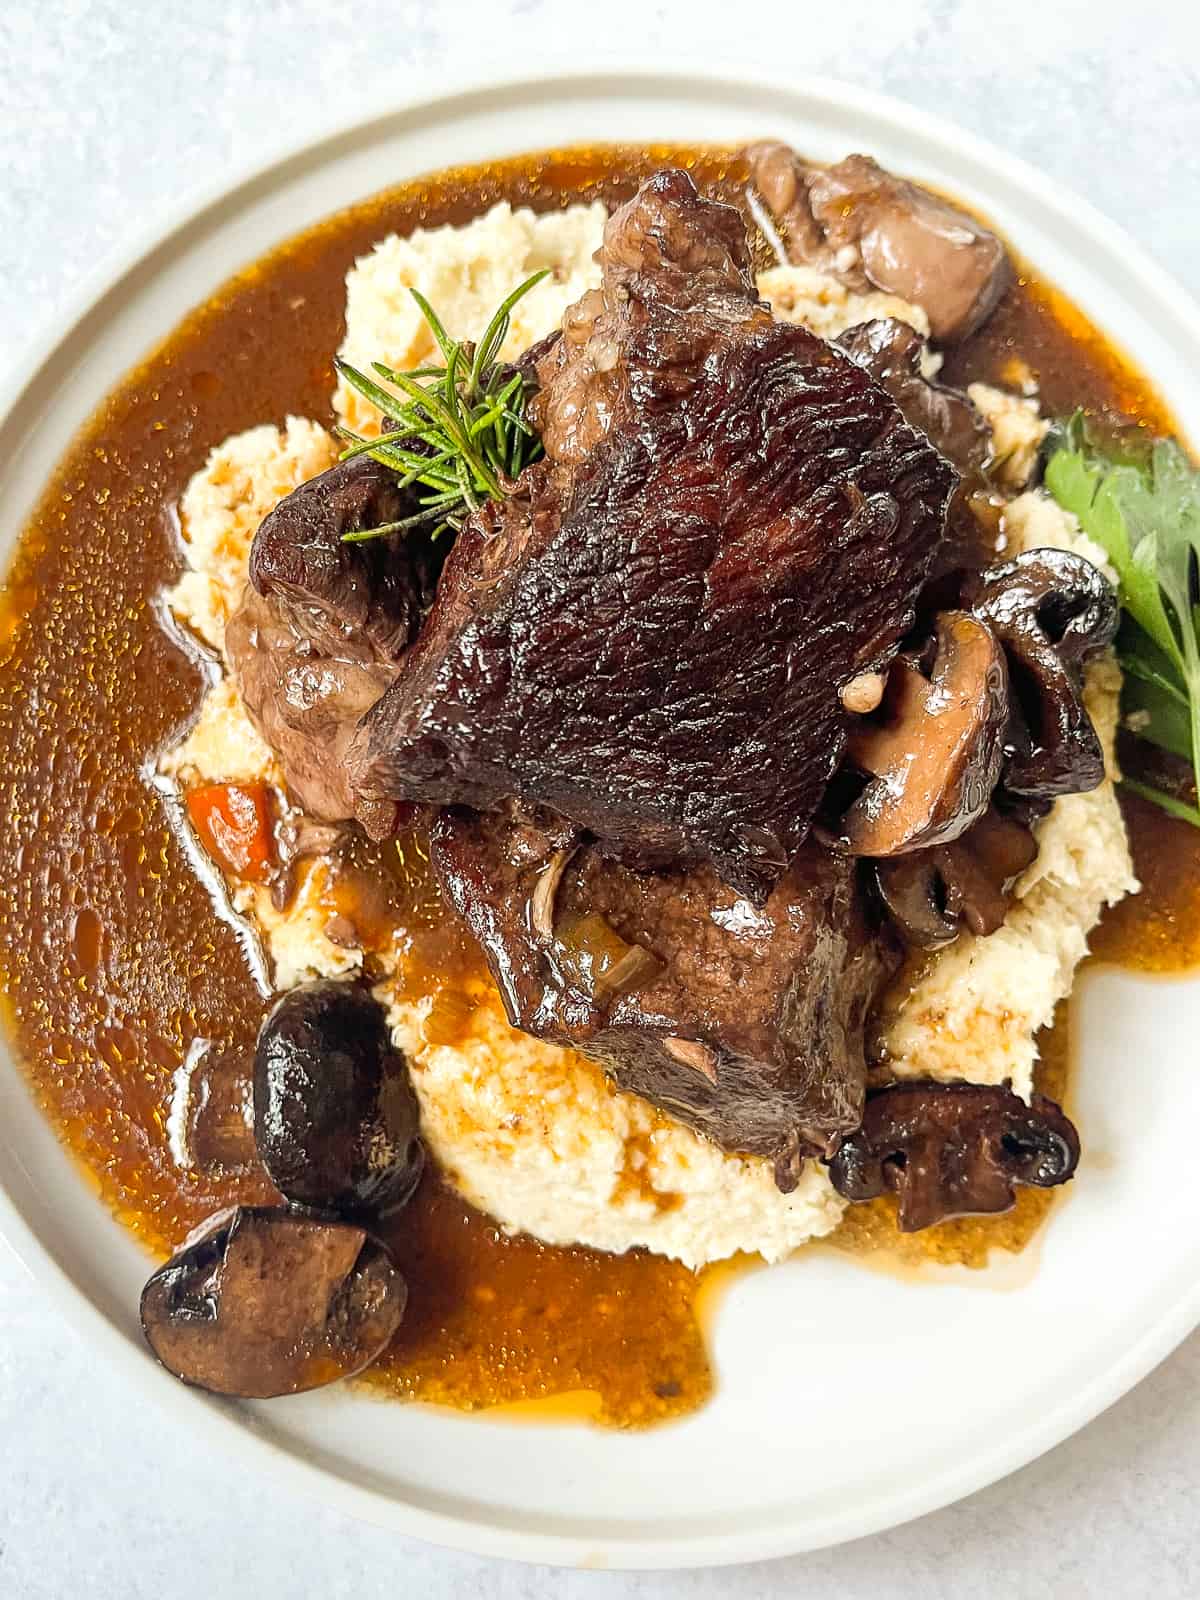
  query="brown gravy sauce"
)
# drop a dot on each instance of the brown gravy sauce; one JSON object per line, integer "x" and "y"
{"x": 114, "y": 960}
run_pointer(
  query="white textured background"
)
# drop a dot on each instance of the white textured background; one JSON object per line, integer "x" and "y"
{"x": 109, "y": 110}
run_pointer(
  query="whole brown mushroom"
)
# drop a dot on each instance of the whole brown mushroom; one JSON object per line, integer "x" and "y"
{"x": 335, "y": 1117}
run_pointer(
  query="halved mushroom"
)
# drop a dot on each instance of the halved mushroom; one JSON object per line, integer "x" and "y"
{"x": 953, "y": 1149}
{"x": 933, "y": 755}
{"x": 915, "y": 896}
{"x": 269, "y": 1303}
{"x": 931, "y": 894}
{"x": 1050, "y": 609}
{"x": 335, "y": 1117}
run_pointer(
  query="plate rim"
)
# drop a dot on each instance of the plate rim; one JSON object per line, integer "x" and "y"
{"x": 224, "y": 1425}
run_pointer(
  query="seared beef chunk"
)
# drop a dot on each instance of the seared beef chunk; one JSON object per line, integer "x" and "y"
{"x": 891, "y": 352}
{"x": 744, "y": 1022}
{"x": 1051, "y": 610}
{"x": 871, "y": 228}
{"x": 650, "y": 638}
{"x": 305, "y": 704}
{"x": 323, "y": 625}
{"x": 953, "y": 1149}
{"x": 366, "y": 597}
{"x": 678, "y": 283}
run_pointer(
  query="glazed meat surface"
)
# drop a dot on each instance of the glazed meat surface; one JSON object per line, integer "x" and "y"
{"x": 650, "y": 637}
{"x": 891, "y": 352}
{"x": 744, "y": 1022}
{"x": 323, "y": 625}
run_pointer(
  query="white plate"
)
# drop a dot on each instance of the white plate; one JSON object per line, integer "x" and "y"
{"x": 847, "y": 1401}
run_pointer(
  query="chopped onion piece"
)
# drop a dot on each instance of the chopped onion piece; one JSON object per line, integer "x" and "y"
{"x": 593, "y": 953}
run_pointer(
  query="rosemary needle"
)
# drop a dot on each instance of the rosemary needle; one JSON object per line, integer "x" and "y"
{"x": 458, "y": 431}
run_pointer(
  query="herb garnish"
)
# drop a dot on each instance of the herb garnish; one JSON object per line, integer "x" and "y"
{"x": 460, "y": 434}
{"x": 1144, "y": 512}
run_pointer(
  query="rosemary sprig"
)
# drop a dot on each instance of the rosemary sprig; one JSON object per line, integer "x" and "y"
{"x": 459, "y": 431}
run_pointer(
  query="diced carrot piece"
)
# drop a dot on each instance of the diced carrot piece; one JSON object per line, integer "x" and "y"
{"x": 233, "y": 821}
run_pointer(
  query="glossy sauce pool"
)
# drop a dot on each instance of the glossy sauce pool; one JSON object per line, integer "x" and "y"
{"x": 114, "y": 960}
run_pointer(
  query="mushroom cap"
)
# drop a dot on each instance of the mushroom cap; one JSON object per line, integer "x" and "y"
{"x": 914, "y": 897}
{"x": 934, "y": 754}
{"x": 953, "y": 1149}
{"x": 335, "y": 1117}
{"x": 265, "y": 1303}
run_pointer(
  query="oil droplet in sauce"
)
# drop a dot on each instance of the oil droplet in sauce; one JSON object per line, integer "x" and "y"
{"x": 127, "y": 995}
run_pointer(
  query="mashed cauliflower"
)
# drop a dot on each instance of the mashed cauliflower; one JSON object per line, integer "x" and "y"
{"x": 533, "y": 1134}
{"x": 822, "y": 303}
{"x": 464, "y": 273}
{"x": 223, "y": 505}
{"x": 1018, "y": 429}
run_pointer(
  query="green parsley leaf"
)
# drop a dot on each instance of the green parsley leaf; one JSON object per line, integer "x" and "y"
{"x": 1145, "y": 515}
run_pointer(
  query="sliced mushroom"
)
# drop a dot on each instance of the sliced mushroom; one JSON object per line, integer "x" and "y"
{"x": 914, "y": 894}
{"x": 932, "y": 894}
{"x": 269, "y": 1303}
{"x": 1050, "y": 609}
{"x": 981, "y": 868}
{"x": 953, "y": 1149}
{"x": 217, "y": 1119}
{"x": 335, "y": 1117}
{"x": 933, "y": 755}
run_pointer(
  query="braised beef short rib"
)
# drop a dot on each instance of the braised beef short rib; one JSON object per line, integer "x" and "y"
{"x": 650, "y": 637}
{"x": 744, "y": 1022}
